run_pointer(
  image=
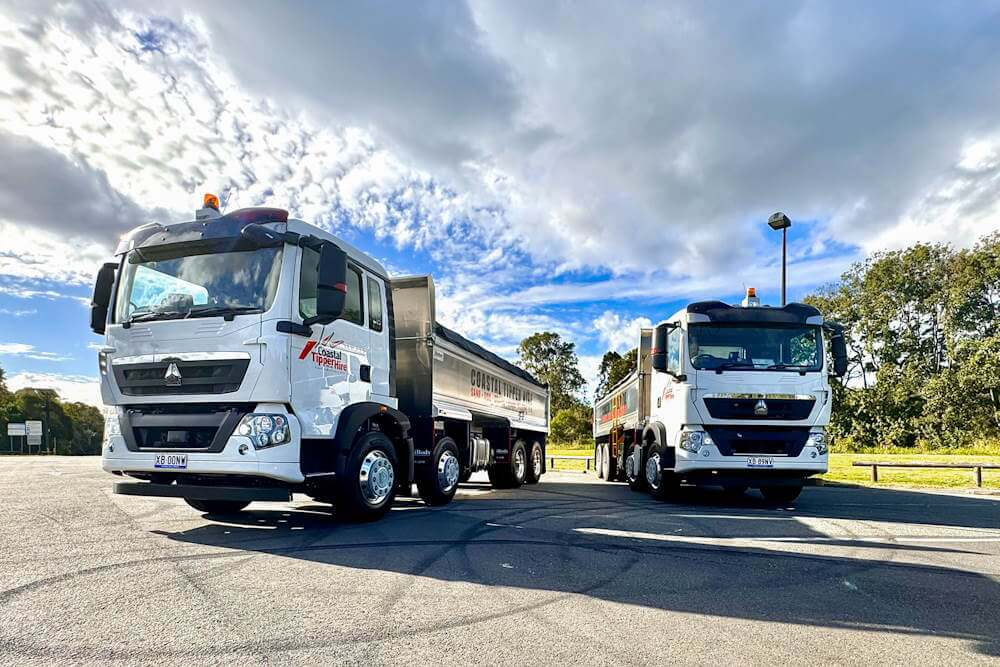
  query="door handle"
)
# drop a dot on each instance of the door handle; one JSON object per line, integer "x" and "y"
{"x": 365, "y": 373}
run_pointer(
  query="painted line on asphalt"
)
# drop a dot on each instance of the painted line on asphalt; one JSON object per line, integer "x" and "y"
{"x": 659, "y": 537}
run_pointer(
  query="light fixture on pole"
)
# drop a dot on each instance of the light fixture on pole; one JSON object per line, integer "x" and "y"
{"x": 780, "y": 221}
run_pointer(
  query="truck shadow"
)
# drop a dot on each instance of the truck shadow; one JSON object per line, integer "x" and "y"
{"x": 694, "y": 555}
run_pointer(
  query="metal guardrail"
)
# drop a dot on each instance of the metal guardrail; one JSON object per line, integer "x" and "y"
{"x": 976, "y": 467}
{"x": 552, "y": 460}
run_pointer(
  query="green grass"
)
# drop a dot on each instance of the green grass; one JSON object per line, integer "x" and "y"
{"x": 842, "y": 471}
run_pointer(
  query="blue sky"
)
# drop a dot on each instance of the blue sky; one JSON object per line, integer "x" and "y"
{"x": 556, "y": 167}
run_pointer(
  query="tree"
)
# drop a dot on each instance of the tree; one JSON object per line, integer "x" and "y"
{"x": 554, "y": 362}
{"x": 924, "y": 347}
{"x": 614, "y": 368}
{"x": 571, "y": 426}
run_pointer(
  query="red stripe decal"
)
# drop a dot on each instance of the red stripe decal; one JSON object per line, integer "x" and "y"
{"x": 305, "y": 350}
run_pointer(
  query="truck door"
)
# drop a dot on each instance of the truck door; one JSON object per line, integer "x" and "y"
{"x": 331, "y": 368}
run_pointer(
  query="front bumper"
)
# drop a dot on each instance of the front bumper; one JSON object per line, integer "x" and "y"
{"x": 708, "y": 463}
{"x": 202, "y": 492}
{"x": 237, "y": 456}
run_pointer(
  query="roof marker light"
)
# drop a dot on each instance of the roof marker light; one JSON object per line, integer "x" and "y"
{"x": 751, "y": 300}
{"x": 211, "y": 201}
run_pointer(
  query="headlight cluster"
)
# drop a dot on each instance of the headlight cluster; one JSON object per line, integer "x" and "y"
{"x": 692, "y": 441}
{"x": 264, "y": 430}
{"x": 819, "y": 440}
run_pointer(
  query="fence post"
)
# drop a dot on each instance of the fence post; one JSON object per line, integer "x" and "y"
{"x": 979, "y": 476}
{"x": 552, "y": 463}
{"x": 874, "y": 472}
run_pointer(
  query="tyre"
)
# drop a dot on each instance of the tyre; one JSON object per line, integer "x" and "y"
{"x": 510, "y": 475}
{"x": 634, "y": 473}
{"x": 661, "y": 485}
{"x": 599, "y": 461}
{"x": 439, "y": 481}
{"x": 780, "y": 495}
{"x": 369, "y": 485}
{"x": 610, "y": 465}
{"x": 217, "y": 506}
{"x": 533, "y": 473}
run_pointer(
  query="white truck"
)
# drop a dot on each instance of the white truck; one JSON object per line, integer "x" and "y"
{"x": 729, "y": 396}
{"x": 248, "y": 356}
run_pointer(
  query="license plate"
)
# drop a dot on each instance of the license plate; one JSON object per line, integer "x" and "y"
{"x": 176, "y": 461}
{"x": 760, "y": 461}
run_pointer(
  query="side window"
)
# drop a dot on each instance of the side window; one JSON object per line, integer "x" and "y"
{"x": 308, "y": 277}
{"x": 374, "y": 304}
{"x": 354, "y": 312}
{"x": 674, "y": 351}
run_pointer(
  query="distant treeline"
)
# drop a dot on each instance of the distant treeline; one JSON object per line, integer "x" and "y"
{"x": 73, "y": 428}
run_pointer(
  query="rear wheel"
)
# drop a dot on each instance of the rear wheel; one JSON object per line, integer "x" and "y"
{"x": 438, "y": 483}
{"x": 510, "y": 475}
{"x": 610, "y": 465}
{"x": 217, "y": 506}
{"x": 780, "y": 495}
{"x": 533, "y": 474}
{"x": 599, "y": 461}
{"x": 369, "y": 485}
{"x": 634, "y": 473}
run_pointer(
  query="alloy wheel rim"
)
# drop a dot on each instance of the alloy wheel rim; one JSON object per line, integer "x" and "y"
{"x": 536, "y": 461}
{"x": 519, "y": 464}
{"x": 653, "y": 471}
{"x": 376, "y": 477}
{"x": 448, "y": 471}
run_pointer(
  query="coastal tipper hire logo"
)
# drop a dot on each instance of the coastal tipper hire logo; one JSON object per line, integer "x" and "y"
{"x": 326, "y": 353}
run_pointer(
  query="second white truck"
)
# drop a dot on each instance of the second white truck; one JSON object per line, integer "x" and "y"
{"x": 249, "y": 356}
{"x": 728, "y": 396}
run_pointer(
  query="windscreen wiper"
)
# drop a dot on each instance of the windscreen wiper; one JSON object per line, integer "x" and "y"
{"x": 228, "y": 312}
{"x": 801, "y": 368}
{"x": 156, "y": 315}
{"x": 733, "y": 364}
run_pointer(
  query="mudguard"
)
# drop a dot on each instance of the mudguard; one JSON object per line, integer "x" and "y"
{"x": 657, "y": 432}
{"x": 354, "y": 417}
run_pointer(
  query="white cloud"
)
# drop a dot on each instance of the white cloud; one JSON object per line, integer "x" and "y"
{"x": 620, "y": 335}
{"x": 21, "y": 312}
{"x": 29, "y": 352}
{"x": 71, "y": 388}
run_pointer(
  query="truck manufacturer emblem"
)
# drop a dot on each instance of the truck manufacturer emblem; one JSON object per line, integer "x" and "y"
{"x": 172, "y": 378}
{"x": 760, "y": 409}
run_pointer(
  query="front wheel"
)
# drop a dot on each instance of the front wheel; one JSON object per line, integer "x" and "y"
{"x": 217, "y": 506}
{"x": 437, "y": 485}
{"x": 369, "y": 485}
{"x": 533, "y": 474}
{"x": 780, "y": 495}
{"x": 662, "y": 485}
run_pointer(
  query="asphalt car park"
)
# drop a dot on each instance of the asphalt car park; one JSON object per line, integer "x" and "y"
{"x": 573, "y": 570}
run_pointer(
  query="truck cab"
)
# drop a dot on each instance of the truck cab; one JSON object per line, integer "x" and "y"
{"x": 730, "y": 396}
{"x": 248, "y": 356}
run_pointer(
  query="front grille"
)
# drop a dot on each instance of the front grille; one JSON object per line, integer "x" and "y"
{"x": 786, "y": 409}
{"x": 755, "y": 440}
{"x": 196, "y": 377}
{"x": 185, "y": 428}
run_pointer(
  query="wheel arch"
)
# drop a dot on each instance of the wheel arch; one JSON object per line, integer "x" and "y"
{"x": 390, "y": 421}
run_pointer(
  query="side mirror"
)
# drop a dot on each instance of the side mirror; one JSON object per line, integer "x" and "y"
{"x": 331, "y": 287}
{"x": 658, "y": 355}
{"x": 838, "y": 349}
{"x": 102, "y": 298}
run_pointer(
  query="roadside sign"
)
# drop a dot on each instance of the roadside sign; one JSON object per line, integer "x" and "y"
{"x": 34, "y": 440}
{"x": 17, "y": 430}
{"x": 34, "y": 427}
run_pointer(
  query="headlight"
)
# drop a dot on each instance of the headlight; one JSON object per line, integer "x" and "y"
{"x": 692, "y": 440}
{"x": 819, "y": 440}
{"x": 264, "y": 430}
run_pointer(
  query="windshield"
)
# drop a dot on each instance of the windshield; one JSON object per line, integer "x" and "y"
{"x": 186, "y": 280}
{"x": 755, "y": 347}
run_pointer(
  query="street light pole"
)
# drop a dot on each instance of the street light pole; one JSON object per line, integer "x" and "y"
{"x": 780, "y": 221}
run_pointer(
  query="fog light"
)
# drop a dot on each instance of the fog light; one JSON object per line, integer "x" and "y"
{"x": 244, "y": 448}
{"x": 706, "y": 453}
